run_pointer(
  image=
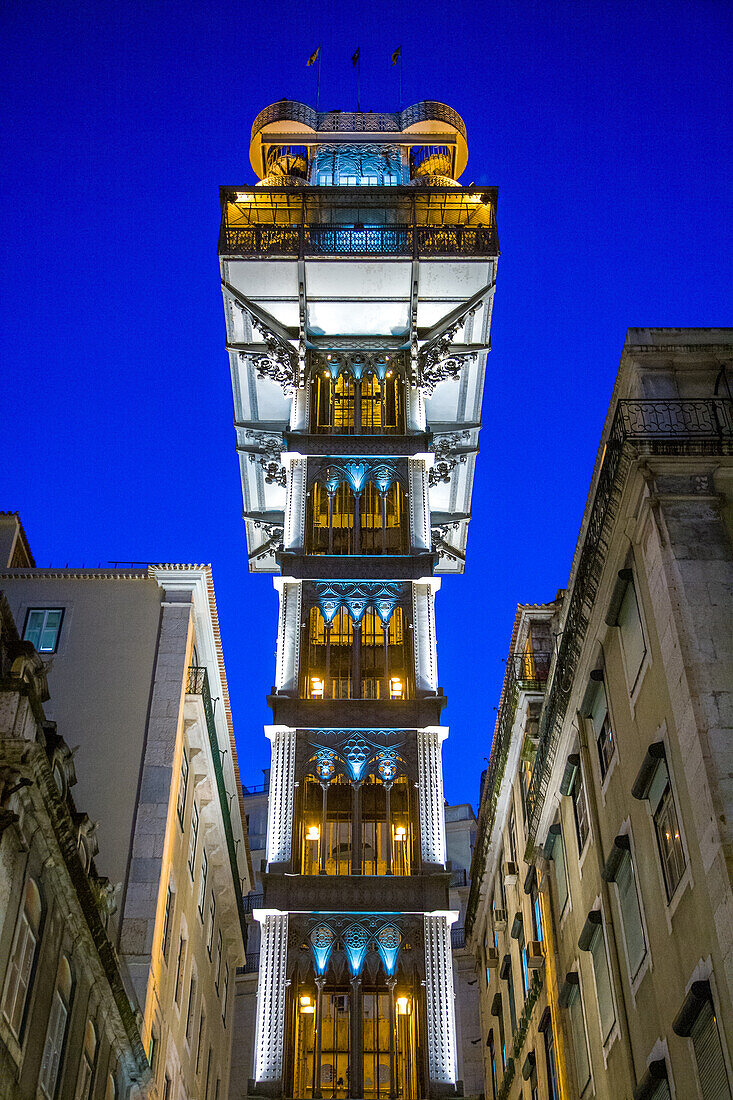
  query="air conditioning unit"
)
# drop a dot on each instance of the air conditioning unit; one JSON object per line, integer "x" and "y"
{"x": 511, "y": 873}
{"x": 492, "y": 958}
{"x": 535, "y": 957}
{"x": 500, "y": 919}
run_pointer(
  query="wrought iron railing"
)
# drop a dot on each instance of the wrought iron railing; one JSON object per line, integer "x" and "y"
{"x": 520, "y": 1034}
{"x": 644, "y": 426}
{"x": 198, "y": 684}
{"x": 251, "y": 902}
{"x": 251, "y": 964}
{"x": 290, "y": 110}
{"x": 525, "y": 672}
{"x": 458, "y": 877}
{"x": 345, "y": 240}
{"x": 458, "y": 937}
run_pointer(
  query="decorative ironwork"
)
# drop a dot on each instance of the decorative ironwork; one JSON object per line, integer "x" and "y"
{"x": 269, "y": 458}
{"x": 357, "y": 596}
{"x": 446, "y": 459}
{"x": 520, "y": 1034}
{"x": 361, "y": 361}
{"x": 351, "y": 240}
{"x": 252, "y": 902}
{"x": 670, "y": 426}
{"x": 290, "y": 110}
{"x": 524, "y": 672}
{"x": 280, "y": 363}
{"x": 356, "y": 472}
{"x": 458, "y": 935}
{"x": 354, "y": 755}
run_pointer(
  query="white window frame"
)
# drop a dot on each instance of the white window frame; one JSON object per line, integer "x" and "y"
{"x": 45, "y": 611}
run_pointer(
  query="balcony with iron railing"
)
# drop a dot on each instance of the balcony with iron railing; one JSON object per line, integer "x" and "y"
{"x": 197, "y": 683}
{"x": 357, "y": 240}
{"x": 640, "y": 428}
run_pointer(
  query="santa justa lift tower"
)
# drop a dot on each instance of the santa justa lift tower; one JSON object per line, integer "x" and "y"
{"x": 358, "y": 281}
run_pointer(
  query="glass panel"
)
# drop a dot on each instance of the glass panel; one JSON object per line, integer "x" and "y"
{"x": 669, "y": 839}
{"x": 49, "y": 634}
{"x": 33, "y": 627}
{"x": 580, "y": 810}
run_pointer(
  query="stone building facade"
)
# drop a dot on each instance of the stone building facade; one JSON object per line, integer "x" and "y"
{"x": 609, "y": 792}
{"x": 136, "y": 672}
{"x": 67, "y": 1025}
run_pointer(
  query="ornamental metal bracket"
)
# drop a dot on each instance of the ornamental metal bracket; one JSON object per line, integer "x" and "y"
{"x": 280, "y": 362}
{"x": 448, "y": 454}
{"x": 436, "y": 363}
{"x": 268, "y": 457}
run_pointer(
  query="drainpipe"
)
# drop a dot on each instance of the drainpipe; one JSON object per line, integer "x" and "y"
{"x": 606, "y": 899}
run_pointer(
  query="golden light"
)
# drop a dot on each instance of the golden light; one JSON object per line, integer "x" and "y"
{"x": 402, "y": 1006}
{"x": 304, "y": 1000}
{"x": 317, "y": 686}
{"x": 314, "y": 832}
{"x": 395, "y": 687}
{"x": 400, "y": 832}
{"x": 244, "y": 196}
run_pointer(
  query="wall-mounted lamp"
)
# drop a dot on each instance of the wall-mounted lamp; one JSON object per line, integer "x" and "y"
{"x": 317, "y": 687}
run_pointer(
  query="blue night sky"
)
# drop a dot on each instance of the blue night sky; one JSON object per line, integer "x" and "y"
{"x": 605, "y": 127}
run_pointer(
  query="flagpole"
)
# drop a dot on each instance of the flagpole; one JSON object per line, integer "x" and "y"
{"x": 318, "y": 81}
{"x": 400, "y": 79}
{"x": 358, "y": 83}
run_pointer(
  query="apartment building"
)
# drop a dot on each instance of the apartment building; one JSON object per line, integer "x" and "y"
{"x": 137, "y": 682}
{"x": 627, "y": 811}
{"x": 67, "y": 1027}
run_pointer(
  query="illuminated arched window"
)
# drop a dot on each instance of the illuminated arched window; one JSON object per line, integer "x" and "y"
{"x": 22, "y": 964}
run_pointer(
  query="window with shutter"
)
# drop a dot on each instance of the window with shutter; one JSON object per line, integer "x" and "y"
{"x": 602, "y": 975}
{"x": 709, "y": 1057}
{"x": 22, "y": 959}
{"x": 630, "y": 916}
{"x": 54, "y": 1044}
{"x": 633, "y": 643}
{"x": 580, "y": 1042}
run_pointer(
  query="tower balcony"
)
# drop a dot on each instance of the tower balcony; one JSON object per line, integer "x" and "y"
{"x": 240, "y": 241}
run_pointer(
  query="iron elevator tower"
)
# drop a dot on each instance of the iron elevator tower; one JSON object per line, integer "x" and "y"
{"x": 358, "y": 280}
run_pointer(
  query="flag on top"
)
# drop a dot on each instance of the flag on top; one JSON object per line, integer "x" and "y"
{"x": 397, "y": 55}
{"x": 355, "y": 58}
{"x": 313, "y": 58}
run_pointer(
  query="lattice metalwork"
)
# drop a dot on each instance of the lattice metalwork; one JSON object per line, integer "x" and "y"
{"x": 270, "y": 1027}
{"x": 439, "y": 1001}
{"x": 280, "y": 801}
{"x": 430, "y": 785}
